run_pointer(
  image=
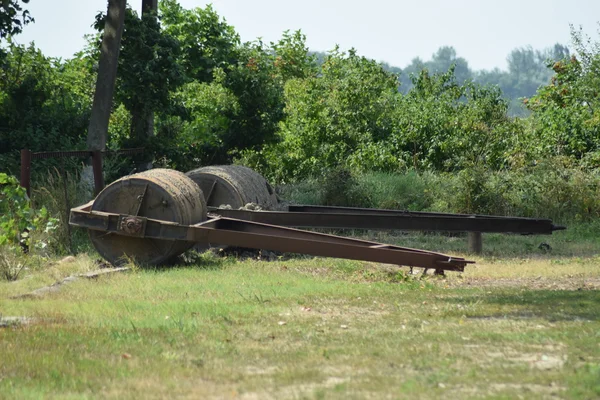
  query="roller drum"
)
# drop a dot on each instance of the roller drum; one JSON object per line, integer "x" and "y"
{"x": 234, "y": 185}
{"x": 161, "y": 194}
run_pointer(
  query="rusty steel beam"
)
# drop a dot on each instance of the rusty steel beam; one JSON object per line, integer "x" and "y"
{"x": 82, "y": 153}
{"x": 365, "y": 218}
{"x": 233, "y": 232}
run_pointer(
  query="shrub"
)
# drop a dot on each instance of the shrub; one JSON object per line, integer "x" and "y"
{"x": 23, "y": 229}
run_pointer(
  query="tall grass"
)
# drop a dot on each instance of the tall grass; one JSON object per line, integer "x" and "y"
{"x": 59, "y": 191}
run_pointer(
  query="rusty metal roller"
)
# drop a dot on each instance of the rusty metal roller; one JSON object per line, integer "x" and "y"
{"x": 161, "y": 194}
{"x": 234, "y": 185}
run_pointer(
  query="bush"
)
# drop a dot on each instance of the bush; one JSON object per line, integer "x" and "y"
{"x": 341, "y": 188}
{"x": 408, "y": 191}
{"x": 24, "y": 231}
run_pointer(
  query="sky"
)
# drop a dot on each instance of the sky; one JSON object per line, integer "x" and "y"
{"x": 482, "y": 31}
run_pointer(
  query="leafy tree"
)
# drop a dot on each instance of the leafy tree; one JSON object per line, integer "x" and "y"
{"x": 441, "y": 62}
{"x": 565, "y": 112}
{"x": 527, "y": 71}
{"x": 13, "y": 17}
{"x": 443, "y": 125}
{"x": 259, "y": 95}
{"x": 207, "y": 42}
{"x": 446, "y": 58}
{"x": 330, "y": 116}
{"x": 148, "y": 72}
{"x": 253, "y": 73}
{"x": 292, "y": 57}
{"x": 44, "y": 103}
{"x": 196, "y": 138}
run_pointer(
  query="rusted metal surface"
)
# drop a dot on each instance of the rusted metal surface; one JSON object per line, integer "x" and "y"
{"x": 233, "y": 232}
{"x": 83, "y": 153}
{"x": 365, "y": 218}
{"x": 160, "y": 194}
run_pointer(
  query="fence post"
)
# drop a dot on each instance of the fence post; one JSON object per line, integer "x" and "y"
{"x": 26, "y": 170}
{"x": 97, "y": 169}
{"x": 475, "y": 243}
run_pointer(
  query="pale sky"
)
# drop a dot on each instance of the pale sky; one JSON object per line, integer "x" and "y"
{"x": 481, "y": 31}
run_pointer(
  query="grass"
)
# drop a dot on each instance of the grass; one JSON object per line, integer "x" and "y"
{"x": 524, "y": 325}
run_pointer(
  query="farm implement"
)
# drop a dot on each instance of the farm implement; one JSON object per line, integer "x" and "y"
{"x": 154, "y": 216}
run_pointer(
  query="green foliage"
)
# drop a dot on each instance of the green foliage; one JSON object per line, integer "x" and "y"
{"x": 564, "y": 112}
{"x": 443, "y": 125}
{"x": 329, "y": 116}
{"x": 351, "y": 115}
{"x": 292, "y": 57}
{"x": 18, "y": 220}
{"x": 246, "y": 80}
{"x": 44, "y": 104}
{"x": 260, "y": 98}
{"x": 341, "y": 188}
{"x": 13, "y": 17}
{"x": 21, "y": 226}
{"x": 207, "y": 42}
{"x": 197, "y": 138}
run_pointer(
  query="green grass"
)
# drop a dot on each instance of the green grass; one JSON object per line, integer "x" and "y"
{"x": 309, "y": 328}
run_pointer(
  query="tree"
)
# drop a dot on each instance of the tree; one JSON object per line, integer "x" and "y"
{"x": 207, "y": 42}
{"x": 107, "y": 72}
{"x": 13, "y": 17}
{"x": 149, "y": 10}
{"x": 336, "y": 118}
{"x": 148, "y": 73}
{"x": 292, "y": 57}
{"x": 44, "y": 104}
{"x": 445, "y": 58}
{"x": 565, "y": 112}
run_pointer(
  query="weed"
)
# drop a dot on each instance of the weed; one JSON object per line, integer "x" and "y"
{"x": 11, "y": 263}
{"x": 59, "y": 191}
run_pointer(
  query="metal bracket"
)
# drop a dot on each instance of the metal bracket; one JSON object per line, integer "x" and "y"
{"x": 140, "y": 200}
{"x": 132, "y": 226}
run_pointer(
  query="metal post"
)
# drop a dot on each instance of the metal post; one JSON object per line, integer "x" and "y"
{"x": 97, "y": 169}
{"x": 475, "y": 242}
{"x": 26, "y": 170}
{"x": 67, "y": 206}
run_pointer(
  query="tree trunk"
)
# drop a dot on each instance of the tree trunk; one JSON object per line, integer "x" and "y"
{"x": 149, "y": 6}
{"x": 143, "y": 123}
{"x": 105, "y": 83}
{"x": 107, "y": 74}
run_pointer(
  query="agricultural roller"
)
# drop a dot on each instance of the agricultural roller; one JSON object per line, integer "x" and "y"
{"x": 154, "y": 216}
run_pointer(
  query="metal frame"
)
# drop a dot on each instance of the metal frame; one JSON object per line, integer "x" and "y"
{"x": 235, "y": 232}
{"x": 367, "y": 218}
